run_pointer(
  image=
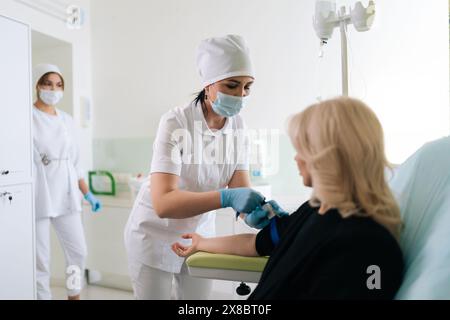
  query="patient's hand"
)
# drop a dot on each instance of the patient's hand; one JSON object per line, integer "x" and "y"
{"x": 185, "y": 251}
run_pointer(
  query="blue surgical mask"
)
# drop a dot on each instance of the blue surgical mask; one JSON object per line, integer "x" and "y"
{"x": 228, "y": 106}
{"x": 50, "y": 97}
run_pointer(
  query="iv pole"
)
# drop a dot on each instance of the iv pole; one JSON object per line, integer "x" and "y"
{"x": 344, "y": 19}
{"x": 326, "y": 19}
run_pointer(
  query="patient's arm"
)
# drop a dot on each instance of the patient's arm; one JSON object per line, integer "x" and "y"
{"x": 240, "y": 244}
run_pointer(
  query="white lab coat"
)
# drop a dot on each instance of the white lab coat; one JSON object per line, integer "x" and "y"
{"x": 56, "y": 185}
{"x": 148, "y": 238}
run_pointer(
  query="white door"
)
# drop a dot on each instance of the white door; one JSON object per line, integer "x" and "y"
{"x": 15, "y": 102}
{"x": 16, "y": 242}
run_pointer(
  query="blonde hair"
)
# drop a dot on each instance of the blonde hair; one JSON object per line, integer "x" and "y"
{"x": 341, "y": 141}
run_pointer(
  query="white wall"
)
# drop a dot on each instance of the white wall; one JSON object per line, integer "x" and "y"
{"x": 144, "y": 54}
{"x": 400, "y": 68}
{"x": 143, "y": 63}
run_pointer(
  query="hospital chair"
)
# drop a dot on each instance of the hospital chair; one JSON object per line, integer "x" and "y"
{"x": 227, "y": 267}
{"x": 422, "y": 188}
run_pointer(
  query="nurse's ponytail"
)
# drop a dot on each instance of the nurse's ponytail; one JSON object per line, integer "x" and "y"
{"x": 200, "y": 98}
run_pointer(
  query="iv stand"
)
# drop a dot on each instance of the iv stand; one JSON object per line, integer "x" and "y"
{"x": 361, "y": 17}
{"x": 344, "y": 19}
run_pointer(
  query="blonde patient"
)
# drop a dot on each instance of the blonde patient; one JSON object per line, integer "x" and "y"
{"x": 343, "y": 242}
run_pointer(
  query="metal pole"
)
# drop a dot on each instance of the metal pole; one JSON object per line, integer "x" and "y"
{"x": 344, "y": 61}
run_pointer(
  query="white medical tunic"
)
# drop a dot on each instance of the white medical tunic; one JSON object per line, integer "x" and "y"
{"x": 204, "y": 160}
{"x": 56, "y": 184}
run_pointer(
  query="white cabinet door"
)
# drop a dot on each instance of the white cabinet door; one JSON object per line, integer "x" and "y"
{"x": 16, "y": 242}
{"x": 15, "y": 102}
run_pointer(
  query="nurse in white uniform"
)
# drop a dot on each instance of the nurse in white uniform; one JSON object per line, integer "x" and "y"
{"x": 58, "y": 182}
{"x": 200, "y": 164}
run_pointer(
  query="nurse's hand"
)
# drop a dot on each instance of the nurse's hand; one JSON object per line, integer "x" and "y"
{"x": 185, "y": 251}
{"x": 96, "y": 205}
{"x": 260, "y": 217}
{"x": 240, "y": 199}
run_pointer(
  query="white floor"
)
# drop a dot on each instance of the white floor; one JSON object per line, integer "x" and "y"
{"x": 94, "y": 293}
{"x": 91, "y": 292}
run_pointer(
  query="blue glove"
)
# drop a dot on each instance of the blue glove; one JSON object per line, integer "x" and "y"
{"x": 95, "y": 203}
{"x": 280, "y": 212}
{"x": 240, "y": 199}
{"x": 260, "y": 217}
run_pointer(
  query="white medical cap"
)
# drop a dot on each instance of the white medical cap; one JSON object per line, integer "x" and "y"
{"x": 223, "y": 57}
{"x": 42, "y": 69}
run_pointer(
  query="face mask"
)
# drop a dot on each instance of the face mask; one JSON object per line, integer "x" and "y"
{"x": 50, "y": 97}
{"x": 228, "y": 106}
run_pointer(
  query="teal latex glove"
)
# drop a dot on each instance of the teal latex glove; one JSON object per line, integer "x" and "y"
{"x": 260, "y": 217}
{"x": 95, "y": 203}
{"x": 240, "y": 199}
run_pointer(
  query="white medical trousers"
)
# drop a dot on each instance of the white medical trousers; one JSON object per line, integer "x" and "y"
{"x": 69, "y": 229}
{"x": 154, "y": 284}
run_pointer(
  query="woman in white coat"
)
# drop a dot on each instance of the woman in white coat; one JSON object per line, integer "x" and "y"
{"x": 199, "y": 164}
{"x": 58, "y": 182}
